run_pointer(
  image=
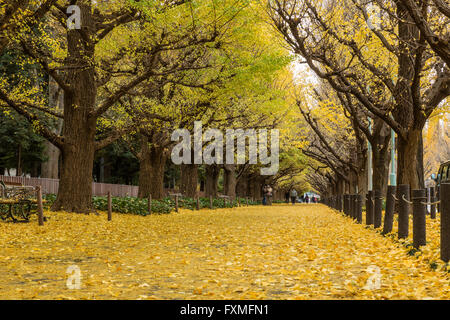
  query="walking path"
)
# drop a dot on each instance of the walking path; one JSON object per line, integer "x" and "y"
{"x": 279, "y": 252}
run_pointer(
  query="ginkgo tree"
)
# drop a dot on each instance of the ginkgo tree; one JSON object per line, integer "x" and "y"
{"x": 333, "y": 139}
{"x": 236, "y": 91}
{"x": 119, "y": 47}
{"x": 379, "y": 59}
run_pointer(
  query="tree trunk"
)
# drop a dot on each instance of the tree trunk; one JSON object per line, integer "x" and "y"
{"x": 380, "y": 171}
{"x": 362, "y": 172}
{"x": 407, "y": 113}
{"x": 145, "y": 169}
{"x": 230, "y": 180}
{"x": 255, "y": 187}
{"x": 340, "y": 186}
{"x": 380, "y": 156}
{"x": 78, "y": 149}
{"x": 420, "y": 166}
{"x": 242, "y": 186}
{"x": 50, "y": 168}
{"x": 407, "y": 162}
{"x": 151, "y": 172}
{"x": 189, "y": 180}
{"x": 212, "y": 179}
{"x": 75, "y": 186}
{"x": 353, "y": 182}
{"x": 19, "y": 161}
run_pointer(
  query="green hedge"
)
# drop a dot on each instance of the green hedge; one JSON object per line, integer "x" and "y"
{"x": 130, "y": 205}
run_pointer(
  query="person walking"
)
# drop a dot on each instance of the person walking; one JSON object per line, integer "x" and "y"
{"x": 306, "y": 199}
{"x": 287, "y": 197}
{"x": 294, "y": 196}
{"x": 269, "y": 195}
{"x": 264, "y": 195}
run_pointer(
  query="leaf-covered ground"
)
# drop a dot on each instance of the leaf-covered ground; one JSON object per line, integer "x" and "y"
{"x": 279, "y": 252}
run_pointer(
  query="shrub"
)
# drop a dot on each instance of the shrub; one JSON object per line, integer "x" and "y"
{"x": 130, "y": 205}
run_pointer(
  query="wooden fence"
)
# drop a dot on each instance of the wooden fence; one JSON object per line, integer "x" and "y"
{"x": 402, "y": 201}
{"x": 50, "y": 186}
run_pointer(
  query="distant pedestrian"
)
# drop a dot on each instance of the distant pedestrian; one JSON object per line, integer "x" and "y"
{"x": 287, "y": 197}
{"x": 265, "y": 191}
{"x": 269, "y": 195}
{"x": 306, "y": 199}
{"x": 294, "y": 195}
